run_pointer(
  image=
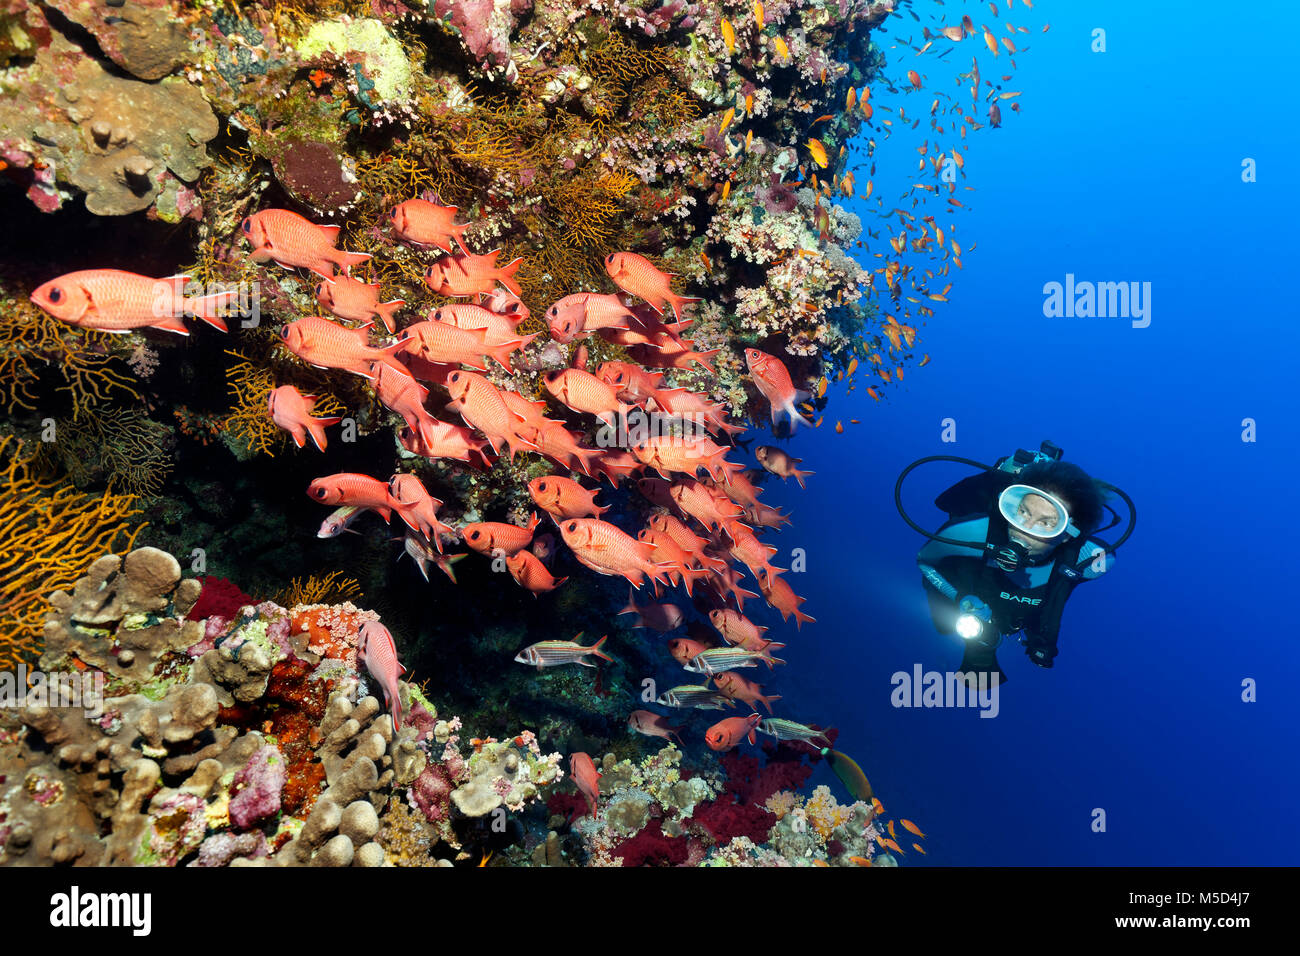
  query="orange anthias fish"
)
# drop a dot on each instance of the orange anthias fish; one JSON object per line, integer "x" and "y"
{"x": 607, "y": 549}
{"x": 378, "y": 652}
{"x": 486, "y": 537}
{"x": 911, "y": 827}
{"x": 428, "y": 224}
{"x": 586, "y": 777}
{"x": 327, "y": 344}
{"x": 527, "y": 569}
{"x": 294, "y": 242}
{"x": 348, "y": 488}
{"x": 726, "y": 733}
{"x": 358, "y": 301}
{"x": 773, "y": 380}
{"x": 291, "y": 410}
{"x": 564, "y": 498}
{"x": 110, "y": 300}
{"x": 637, "y": 276}
{"x": 467, "y": 274}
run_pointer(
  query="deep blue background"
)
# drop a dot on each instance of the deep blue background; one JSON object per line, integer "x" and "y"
{"x": 1122, "y": 166}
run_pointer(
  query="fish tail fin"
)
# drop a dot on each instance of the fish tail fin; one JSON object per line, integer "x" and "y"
{"x": 386, "y": 311}
{"x": 596, "y": 649}
{"x": 631, "y": 607}
{"x": 794, "y": 414}
{"x": 799, "y": 618}
{"x": 346, "y": 260}
{"x": 501, "y": 353}
{"x": 587, "y": 458}
{"x": 767, "y": 701}
{"x": 209, "y": 308}
{"x": 678, "y": 302}
{"x": 800, "y": 475}
{"x": 316, "y": 427}
{"x": 532, "y": 522}
{"x": 506, "y": 276}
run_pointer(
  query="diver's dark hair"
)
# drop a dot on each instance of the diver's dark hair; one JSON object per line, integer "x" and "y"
{"x": 1081, "y": 494}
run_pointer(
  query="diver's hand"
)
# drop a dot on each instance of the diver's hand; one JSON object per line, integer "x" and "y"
{"x": 970, "y": 604}
{"x": 1040, "y": 654}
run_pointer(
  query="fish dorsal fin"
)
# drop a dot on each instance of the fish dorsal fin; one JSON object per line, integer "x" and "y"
{"x": 331, "y": 231}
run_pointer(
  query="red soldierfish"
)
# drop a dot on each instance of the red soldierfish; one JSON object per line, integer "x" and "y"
{"x": 428, "y": 224}
{"x": 486, "y": 537}
{"x": 357, "y": 301}
{"x": 294, "y": 242}
{"x": 736, "y": 687}
{"x": 661, "y": 617}
{"x": 327, "y": 344}
{"x": 291, "y": 410}
{"x": 447, "y": 344}
{"x": 479, "y": 402}
{"x": 564, "y": 498}
{"x": 636, "y": 275}
{"x": 773, "y": 380}
{"x": 584, "y": 774}
{"x": 778, "y": 463}
{"x": 379, "y": 654}
{"x": 468, "y": 274}
{"x": 726, "y": 733}
{"x": 527, "y": 569}
{"x": 348, "y": 488}
{"x": 418, "y": 508}
{"x": 583, "y": 392}
{"x": 607, "y": 549}
{"x": 782, "y": 597}
{"x": 652, "y": 725}
{"x": 110, "y": 300}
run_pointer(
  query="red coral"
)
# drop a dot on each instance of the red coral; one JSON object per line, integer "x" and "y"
{"x": 219, "y": 597}
{"x": 784, "y": 770}
{"x": 651, "y": 848}
{"x": 567, "y": 805}
{"x": 725, "y": 820}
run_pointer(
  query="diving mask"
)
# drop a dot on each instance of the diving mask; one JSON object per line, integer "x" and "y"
{"x": 1034, "y": 512}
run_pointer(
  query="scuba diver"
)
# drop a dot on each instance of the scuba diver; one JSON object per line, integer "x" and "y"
{"x": 1018, "y": 540}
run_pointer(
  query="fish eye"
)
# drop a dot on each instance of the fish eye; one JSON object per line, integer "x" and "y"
{"x": 542, "y": 486}
{"x": 474, "y": 535}
{"x": 284, "y": 332}
{"x": 56, "y": 294}
{"x": 455, "y": 377}
{"x": 392, "y": 213}
{"x": 246, "y": 225}
{"x": 609, "y": 259}
{"x": 319, "y": 493}
{"x": 437, "y": 315}
{"x": 573, "y": 526}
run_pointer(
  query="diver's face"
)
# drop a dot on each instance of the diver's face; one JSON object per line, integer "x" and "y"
{"x": 1036, "y": 512}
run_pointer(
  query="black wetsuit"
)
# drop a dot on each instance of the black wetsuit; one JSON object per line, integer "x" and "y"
{"x": 1030, "y": 599}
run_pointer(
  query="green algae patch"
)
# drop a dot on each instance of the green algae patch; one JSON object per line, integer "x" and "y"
{"x": 381, "y": 54}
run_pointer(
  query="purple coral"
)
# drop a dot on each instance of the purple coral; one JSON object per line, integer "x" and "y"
{"x": 220, "y": 848}
{"x": 257, "y": 788}
{"x": 431, "y": 793}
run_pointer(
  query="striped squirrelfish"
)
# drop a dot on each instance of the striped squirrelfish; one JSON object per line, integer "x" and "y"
{"x": 719, "y": 659}
{"x": 291, "y": 410}
{"x": 294, "y": 242}
{"x": 110, "y": 300}
{"x": 607, "y": 549}
{"x": 783, "y": 729}
{"x": 773, "y": 379}
{"x": 694, "y": 696}
{"x": 479, "y": 402}
{"x": 428, "y": 224}
{"x": 339, "y": 520}
{"x": 378, "y": 652}
{"x": 530, "y": 573}
{"x": 348, "y": 488}
{"x": 468, "y": 274}
{"x": 357, "y": 301}
{"x": 327, "y": 344}
{"x": 485, "y": 537}
{"x": 637, "y": 276}
{"x": 564, "y": 498}
{"x": 423, "y": 554}
{"x": 727, "y": 733}
{"x": 554, "y": 653}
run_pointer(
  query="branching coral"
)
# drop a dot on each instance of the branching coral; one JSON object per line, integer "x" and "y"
{"x": 122, "y": 447}
{"x": 330, "y": 588}
{"x": 249, "y": 421}
{"x": 49, "y": 533}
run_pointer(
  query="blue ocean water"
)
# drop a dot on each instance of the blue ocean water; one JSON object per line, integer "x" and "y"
{"x": 1123, "y": 166}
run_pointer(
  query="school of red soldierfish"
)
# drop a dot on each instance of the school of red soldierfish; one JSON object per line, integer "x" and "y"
{"x": 450, "y": 349}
